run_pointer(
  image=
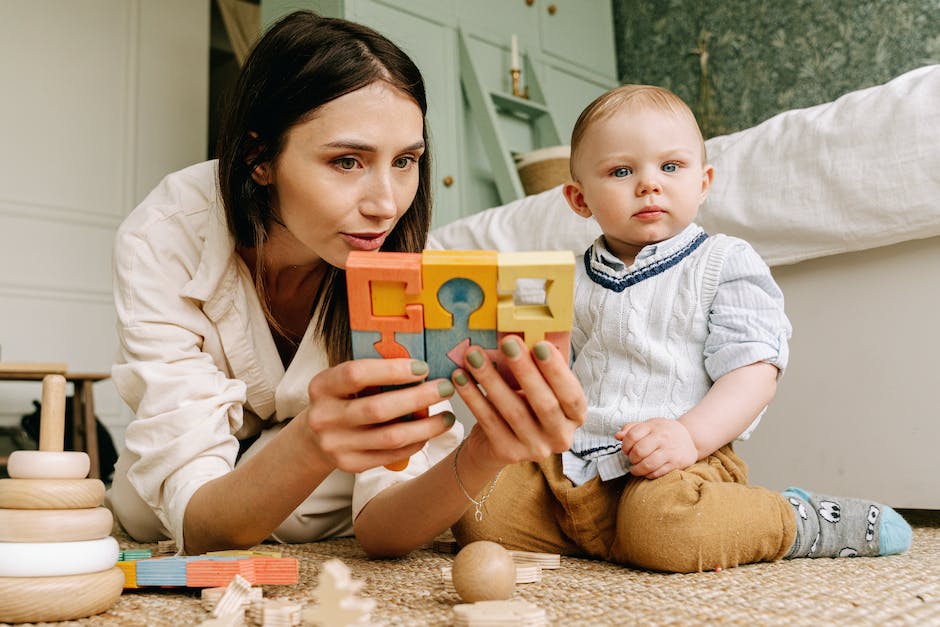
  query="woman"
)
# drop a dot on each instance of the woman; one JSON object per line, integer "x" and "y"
{"x": 232, "y": 315}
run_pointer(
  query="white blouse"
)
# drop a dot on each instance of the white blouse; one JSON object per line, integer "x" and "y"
{"x": 198, "y": 364}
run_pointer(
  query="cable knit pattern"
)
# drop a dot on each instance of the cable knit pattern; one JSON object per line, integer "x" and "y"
{"x": 644, "y": 352}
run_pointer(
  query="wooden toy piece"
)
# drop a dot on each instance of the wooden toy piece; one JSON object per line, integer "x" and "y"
{"x": 48, "y": 465}
{"x": 338, "y": 603}
{"x": 440, "y": 267}
{"x": 51, "y": 493}
{"x": 52, "y": 559}
{"x": 499, "y": 613}
{"x": 533, "y": 321}
{"x": 235, "y": 599}
{"x": 50, "y": 461}
{"x": 524, "y": 574}
{"x": 366, "y": 272}
{"x": 46, "y": 599}
{"x": 51, "y": 525}
{"x": 52, "y": 417}
{"x": 547, "y": 561}
{"x": 484, "y": 571}
{"x": 445, "y": 347}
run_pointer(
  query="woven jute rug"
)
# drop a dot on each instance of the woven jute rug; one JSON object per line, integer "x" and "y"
{"x": 896, "y": 590}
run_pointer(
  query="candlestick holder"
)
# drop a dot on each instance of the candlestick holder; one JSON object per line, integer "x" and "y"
{"x": 517, "y": 89}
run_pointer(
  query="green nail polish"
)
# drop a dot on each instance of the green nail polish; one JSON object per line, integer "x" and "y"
{"x": 542, "y": 351}
{"x": 445, "y": 388}
{"x": 510, "y": 348}
{"x": 460, "y": 378}
{"x": 449, "y": 419}
{"x": 475, "y": 358}
{"x": 418, "y": 367}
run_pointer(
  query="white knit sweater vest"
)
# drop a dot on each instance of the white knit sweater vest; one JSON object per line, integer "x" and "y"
{"x": 639, "y": 351}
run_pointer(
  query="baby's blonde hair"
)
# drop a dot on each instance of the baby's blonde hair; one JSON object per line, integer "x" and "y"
{"x": 635, "y": 98}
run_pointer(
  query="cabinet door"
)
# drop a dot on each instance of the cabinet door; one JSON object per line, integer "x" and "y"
{"x": 579, "y": 32}
{"x": 496, "y": 21}
{"x": 432, "y": 47}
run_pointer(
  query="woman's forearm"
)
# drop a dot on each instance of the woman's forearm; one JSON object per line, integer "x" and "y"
{"x": 243, "y": 507}
{"x": 409, "y": 514}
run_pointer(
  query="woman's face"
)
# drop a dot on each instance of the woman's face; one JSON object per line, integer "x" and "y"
{"x": 346, "y": 175}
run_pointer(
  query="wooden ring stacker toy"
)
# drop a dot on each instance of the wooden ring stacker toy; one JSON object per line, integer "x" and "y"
{"x": 51, "y": 493}
{"x": 55, "y": 581}
{"x": 47, "y": 599}
{"x": 50, "y": 525}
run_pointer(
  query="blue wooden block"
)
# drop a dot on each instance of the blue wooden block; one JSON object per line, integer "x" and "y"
{"x": 444, "y": 348}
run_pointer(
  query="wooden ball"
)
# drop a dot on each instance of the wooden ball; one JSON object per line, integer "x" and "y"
{"x": 484, "y": 571}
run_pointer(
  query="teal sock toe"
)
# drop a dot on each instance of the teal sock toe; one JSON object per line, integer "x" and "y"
{"x": 798, "y": 492}
{"x": 894, "y": 533}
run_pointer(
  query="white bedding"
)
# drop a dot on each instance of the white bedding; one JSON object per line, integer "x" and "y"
{"x": 859, "y": 172}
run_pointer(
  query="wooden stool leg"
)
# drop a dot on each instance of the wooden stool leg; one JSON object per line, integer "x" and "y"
{"x": 78, "y": 427}
{"x": 91, "y": 428}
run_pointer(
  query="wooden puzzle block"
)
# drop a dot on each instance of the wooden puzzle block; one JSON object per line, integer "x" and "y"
{"x": 464, "y": 298}
{"x": 369, "y": 272}
{"x": 444, "y": 348}
{"x": 534, "y": 321}
{"x": 440, "y": 267}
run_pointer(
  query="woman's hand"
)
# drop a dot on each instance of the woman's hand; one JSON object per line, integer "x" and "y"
{"x": 526, "y": 424}
{"x": 354, "y": 429}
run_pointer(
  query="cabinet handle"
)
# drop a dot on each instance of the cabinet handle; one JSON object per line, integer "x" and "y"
{"x": 529, "y": 3}
{"x": 448, "y": 181}
{"x": 552, "y": 9}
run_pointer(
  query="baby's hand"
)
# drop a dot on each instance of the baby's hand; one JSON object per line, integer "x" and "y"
{"x": 657, "y": 446}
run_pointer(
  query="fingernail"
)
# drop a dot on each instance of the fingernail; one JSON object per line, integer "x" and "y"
{"x": 460, "y": 378}
{"x": 449, "y": 419}
{"x": 509, "y": 348}
{"x": 542, "y": 352}
{"x": 445, "y": 388}
{"x": 475, "y": 358}
{"x": 418, "y": 367}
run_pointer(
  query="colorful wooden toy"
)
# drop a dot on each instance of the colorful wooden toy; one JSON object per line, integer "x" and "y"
{"x": 433, "y": 306}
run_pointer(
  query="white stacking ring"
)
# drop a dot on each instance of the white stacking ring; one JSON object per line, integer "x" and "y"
{"x": 51, "y": 559}
{"x": 48, "y": 465}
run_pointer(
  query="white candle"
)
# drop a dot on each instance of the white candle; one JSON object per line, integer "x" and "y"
{"x": 514, "y": 64}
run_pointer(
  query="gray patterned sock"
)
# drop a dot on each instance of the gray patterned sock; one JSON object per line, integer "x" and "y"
{"x": 830, "y": 526}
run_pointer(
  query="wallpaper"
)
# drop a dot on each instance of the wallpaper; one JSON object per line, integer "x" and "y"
{"x": 739, "y": 62}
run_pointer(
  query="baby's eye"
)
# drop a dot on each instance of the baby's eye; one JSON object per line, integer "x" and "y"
{"x": 670, "y": 167}
{"x": 346, "y": 163}
{"x": 622, "y": 172}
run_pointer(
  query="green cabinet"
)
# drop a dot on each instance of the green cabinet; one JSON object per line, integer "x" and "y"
{"x": 567, "y": 52}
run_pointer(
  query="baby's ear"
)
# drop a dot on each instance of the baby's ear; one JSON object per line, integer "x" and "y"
{"x": 708, "y": 174}
{"x": 575, "y": 198}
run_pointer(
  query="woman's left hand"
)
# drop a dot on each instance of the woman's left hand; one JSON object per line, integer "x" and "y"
{"x": 525, "y": 424}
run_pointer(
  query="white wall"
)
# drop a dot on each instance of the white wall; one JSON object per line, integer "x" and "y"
{"x": 100, "y": 99}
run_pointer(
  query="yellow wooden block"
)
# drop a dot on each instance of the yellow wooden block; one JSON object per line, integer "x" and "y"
{"x": 440, "y": 266}
{"x": 129, "y": 568}
{"x": 533, "y": 321}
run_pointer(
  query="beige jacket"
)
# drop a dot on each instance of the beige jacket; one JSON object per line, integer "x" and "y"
{"x": 197, "y": 362}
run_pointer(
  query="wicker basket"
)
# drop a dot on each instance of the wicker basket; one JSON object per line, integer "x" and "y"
{"x": 543, "y": 169}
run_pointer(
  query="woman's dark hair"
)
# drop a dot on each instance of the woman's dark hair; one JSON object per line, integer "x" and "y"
{"x": 301, "y": 63}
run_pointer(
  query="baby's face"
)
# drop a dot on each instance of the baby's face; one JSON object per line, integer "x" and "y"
{"x": 640, "y": 173}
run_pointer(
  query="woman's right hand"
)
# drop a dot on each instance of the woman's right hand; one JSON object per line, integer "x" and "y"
{"x": 354, "y": 429}
{"x": 525, "y": 424}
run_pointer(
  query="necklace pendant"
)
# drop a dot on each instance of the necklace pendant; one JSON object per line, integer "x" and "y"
{"x": 478, "y": 514}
